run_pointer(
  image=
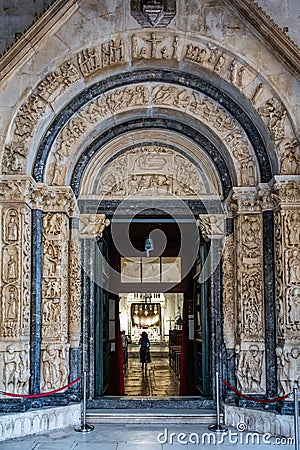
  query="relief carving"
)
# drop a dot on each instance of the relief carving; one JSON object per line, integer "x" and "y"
{"x": 54, "y": 306}
{"x": 212, "y": 226}
{"x": 74, "y": 290}
{"x": 55, "y": 366}
{"x": 151, "y": 171}
{"x": 249, "y": 369}
{"x": 58, "y": 81}
{"x": 289, "y": 157}
{"x": 288, "y": 369}
{"x": 152, "y": 47}
{"x": 275, "y": 115}
{"x": 228, "y": 277}
{"x": 112, "y": 52}
{"x": 92, "y": 225}
{"x": 88, "y": 61}
{"x": 16, "y": 372}
{"x": 14, "y": 158}
{"x": 28, "y": 116}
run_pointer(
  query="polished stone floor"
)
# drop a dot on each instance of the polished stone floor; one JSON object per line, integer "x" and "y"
{"x": 145, "y": 437}
{"x": 158, "y": 379}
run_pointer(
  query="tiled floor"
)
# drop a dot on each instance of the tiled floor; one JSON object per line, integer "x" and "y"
{"x": 158, "y": 379}
{"x": 142, "y": 437}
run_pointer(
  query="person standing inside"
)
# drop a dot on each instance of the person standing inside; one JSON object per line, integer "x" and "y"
{"x": 144, "y": 349}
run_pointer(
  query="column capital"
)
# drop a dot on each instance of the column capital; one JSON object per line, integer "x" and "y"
{"x": 212, "y": 226}
{"x": 54, "y": 199}
{"x": 246, "y": 199}
{"x": 92, "y": 225}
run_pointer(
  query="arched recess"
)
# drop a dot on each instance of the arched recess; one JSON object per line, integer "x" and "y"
{"x": 175, "y": 119}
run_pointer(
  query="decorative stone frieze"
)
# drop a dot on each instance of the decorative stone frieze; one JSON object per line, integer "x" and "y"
{"x": 142, "y": 46}
{"x": 55, "y": 301}
{"x": 74, "y": 289}
{"x": 229, "y": 294}
{"x": 72, "y": 136}
{"x": 287, "y": 244}
{"x": 15, "y": 286}
{"x": 250, "y": 328}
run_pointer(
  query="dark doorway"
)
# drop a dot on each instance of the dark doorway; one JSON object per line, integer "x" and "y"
{"x": 184, "y": 348}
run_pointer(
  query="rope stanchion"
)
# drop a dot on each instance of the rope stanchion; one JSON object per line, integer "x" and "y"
{"x": 217, "y": 426}
{"x": 43, "y": 394}
{"x": 84, "y": 427}
{"x": 252, "y": 399}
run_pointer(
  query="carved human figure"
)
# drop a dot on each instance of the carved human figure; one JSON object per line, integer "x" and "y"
{"x": 294, "y": 369}
{"x": 294, "y": 267}
{"x": 293, "y": 226}
{"x": 175, "y": 47}
{"x": 12, "y": 228}
{"x": 290, "y": 159}
{"x": 51, "y": 362}
{"x": 24, "y": 371}
{"x": 220, "y": 63}
{"x": 11, "y": 307}
{"x": 153, "y": 41}
{"x": 11, "y": 369}
{"x": 282, "y": 371}
{"x": 233, "y": 71}
{"x": 12, "y": 272}
{"x": 240, "y": 370}
{"x": 294, "y": 307}
{"x": 64, "y": 365}
{"x": 252, "y": 317}
{"x": 252, "y": 363}
{"x": 50, "y": 260}
{"x": 257, "y": 93}
{"x": 241, "y": 74}
{"x": 134, "y": 47}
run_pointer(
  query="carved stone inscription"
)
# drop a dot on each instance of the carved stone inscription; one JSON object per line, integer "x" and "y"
{"x": 55, "y": 350}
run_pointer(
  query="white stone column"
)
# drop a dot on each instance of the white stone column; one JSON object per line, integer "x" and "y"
{"x": 287, "y": 242}
{"x": 15, "y": 283}
{"x": 249, "y": 275}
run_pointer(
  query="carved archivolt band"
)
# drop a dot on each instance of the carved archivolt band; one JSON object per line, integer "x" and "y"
{"x": 143, "y": 46}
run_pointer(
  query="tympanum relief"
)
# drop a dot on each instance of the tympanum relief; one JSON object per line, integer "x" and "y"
{"x": 152, "y": 171}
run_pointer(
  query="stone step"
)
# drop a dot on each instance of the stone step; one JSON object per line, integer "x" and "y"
{"x": 150, "y": 416}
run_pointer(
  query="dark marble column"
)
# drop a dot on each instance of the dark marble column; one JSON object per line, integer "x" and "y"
{"x": 36, "y": 300}
{"x": 270, "y": 312}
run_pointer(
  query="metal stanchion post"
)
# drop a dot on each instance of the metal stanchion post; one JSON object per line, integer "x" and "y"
{"x": 84, "y": 427}
{"x": 217, "y": 426}
{"x": 296, "y": 419}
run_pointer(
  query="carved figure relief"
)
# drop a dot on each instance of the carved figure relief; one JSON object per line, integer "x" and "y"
{"x": 55, "y": 366}
{"x": 74, "y": 290}
{"x": 92, "y": 225}
{"x": 58, "y": 81}
{"x": 289, "y": 156}
{"x": 293, "y": 267}
{"x": 14, "y": 158}
{"x": 16, "y": 371}
{"x": 88, "y": 61}
{"x": 275, "y": 115}
{"x": 228, "y": 277}
{"x": 154, "y": 47}
{"x": 151, "y": 171}
{"x": 54, "y": 308}
{"x": 249, "y": 369}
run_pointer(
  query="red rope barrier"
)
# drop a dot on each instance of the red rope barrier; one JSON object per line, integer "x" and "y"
{"x": 44, "y": 394}
{"x": 259, "y": 400}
